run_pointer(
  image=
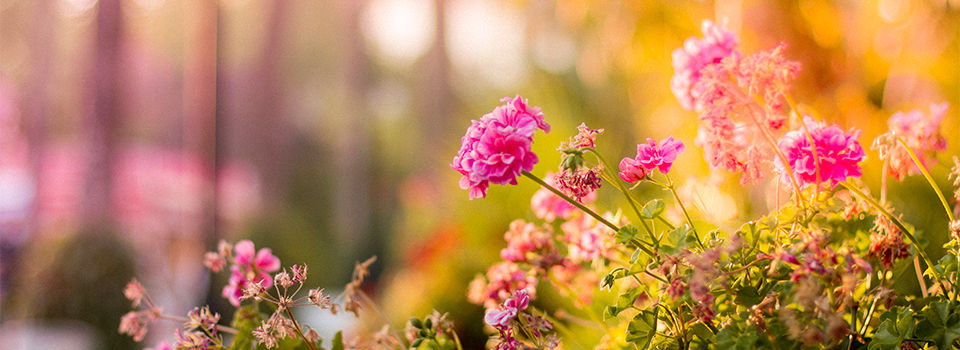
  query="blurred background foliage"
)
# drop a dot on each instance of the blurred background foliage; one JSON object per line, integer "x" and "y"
{"x": 324, "y": 130}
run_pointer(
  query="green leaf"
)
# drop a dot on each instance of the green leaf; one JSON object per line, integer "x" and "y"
{"x": 676, "y": 240}
{"x": 652, "y": 209}
{"x": 337, "y": 341}
{"x": 245, "y": 320}
{"x": 748, "y": 296}
{"x": 626, "y": 234}
{"x": 642, "y": 328}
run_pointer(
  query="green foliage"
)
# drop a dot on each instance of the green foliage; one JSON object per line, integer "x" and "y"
{"x": 642, "y": 328}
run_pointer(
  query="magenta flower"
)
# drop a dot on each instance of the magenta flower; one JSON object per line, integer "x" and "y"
{"x": 650, "y": 156}
{"x": 249, "y": 266}
{"x": 497, "y": 148}
{"x": 839, "y": 154}
{"x": 696, "y": 54}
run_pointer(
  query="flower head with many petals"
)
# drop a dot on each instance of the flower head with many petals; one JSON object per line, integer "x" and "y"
{"x": 696, "y": 54}
{"x": 838, "y": 154}
{"x": 651, "y": 156}
{"x": 920, "y": 131}
{"x": 497, "y": 148}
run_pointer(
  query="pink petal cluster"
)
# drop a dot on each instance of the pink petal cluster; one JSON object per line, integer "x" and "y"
{"x": 588, "y": 239}
{"x": 839, "y": 154}
{"x": 249, "y": 266}
{"x": 506, "y": 312}
{"x": 696, "y": 54}
{"x": 499, "y": 282}
{"x": 549, "y": 206}
{"x": 497, "y": 148}
{"x": 919, "y": 131}
{"x": 741, "y": 98}
{"x": 529, "y": 243}
{"x": 650, "y": 156}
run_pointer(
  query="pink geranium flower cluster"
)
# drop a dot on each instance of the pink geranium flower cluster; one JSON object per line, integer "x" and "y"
{"x": 530, "y": 243}
{"x": 499, "y": 282}
{"x": 696, "y": 54}
{"x": 918, "y": 130}
{"x": 497, "y": 148}
{"x": 838, "y": 154}
{"x": 248, "y": 267}
{"x": 650, "y": 156}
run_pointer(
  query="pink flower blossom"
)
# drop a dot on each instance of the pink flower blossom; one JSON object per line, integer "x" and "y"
{"x": 249, "y": 266}
{"x": 650, "y": 156}
{"x": 506, "y": 312}
{"x": 134, "y": 292}
{"x": 162, "y": 345}
{"x": 587, "y": 238}
{"x": 738, "y": 97}
{"x": 497, "y": 148}
{"x": 919, "y": 131}
{"x": 839, "y": 154}
{"x": 549, "y": 206}
{"x": 498, "y": 283}
{"x": 631, "y": 171}
{"x": 696, "y": 54}
{"x": 527, "y": 242}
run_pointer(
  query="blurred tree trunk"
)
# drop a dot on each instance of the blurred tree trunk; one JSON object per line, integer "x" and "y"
{"x": 434, "y": 94}
{"x": 269, "y": 123}
{"x": 200, "y": 103}
{"x": 35, "y": 105}
{"x": 103, "y": 122}
{"x": 351, "y": 150}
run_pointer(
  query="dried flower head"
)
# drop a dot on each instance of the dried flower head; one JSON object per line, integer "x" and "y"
{"x": 580, "y": 184}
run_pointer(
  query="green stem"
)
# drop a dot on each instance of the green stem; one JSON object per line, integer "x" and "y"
{"x": 676, "y": 196}
{"x": 896, "y": 221}
{"x": 612, "y": 178}
{"x": 557, "y": 192}
{"x": 926, "y": 174}
{"x": 296, "y": 328}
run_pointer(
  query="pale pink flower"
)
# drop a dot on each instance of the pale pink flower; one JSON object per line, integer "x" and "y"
{"x": 588, "y": 239}
{"x": 506, "y": 312}
{"x": 497, "y": 148}
{"x": 549, "y": 206}
{"x": 731, "y": 112}
{"x": 134, "y": 292}
{"x": 919, "y": 131}
{"x": 696, "y": 54}
{"x": 530, "y": 243}
{"x": 213, "y": 261}
{"x": 839, "y": 154}
{"x": 498, "y": 283}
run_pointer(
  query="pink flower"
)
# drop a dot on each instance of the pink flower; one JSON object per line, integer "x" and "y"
{"x": 162, "y": 345}
{"x": 919, "y": 131}
{"x": 134, "y": 292}
{"x": 249, "y": 266}
{"x": 530, "y": 243}
{"x": 631, "y": 171}
{"x": 587, "y": 238}
{"x": 696, "y": 54}
{"x": 497, "y": 148}
{"x": 500, "y": 280}
{"x": 839, "y": 154}
{"x": 506, "y": 312}
{"x": 549, "y": 206}
{"x": 731, "y": 113}
{"x": 650, "y": 156}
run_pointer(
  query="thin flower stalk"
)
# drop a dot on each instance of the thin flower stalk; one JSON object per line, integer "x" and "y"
{"x": 896, "y": 221}
{"x": 617, "y": 181}
{"x": 926, "y": 174}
